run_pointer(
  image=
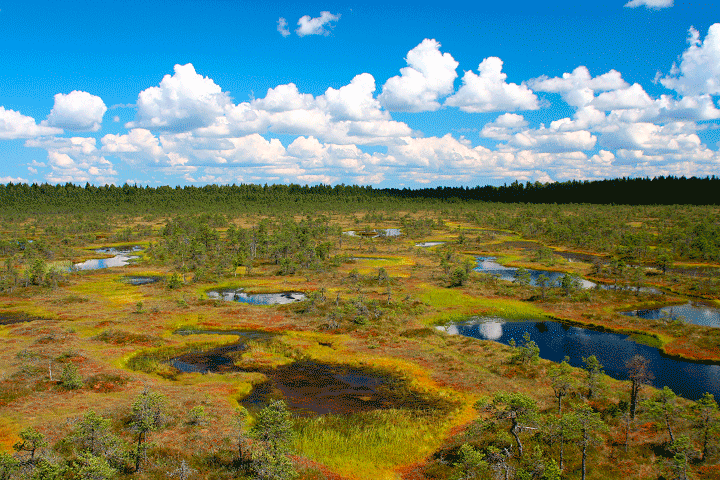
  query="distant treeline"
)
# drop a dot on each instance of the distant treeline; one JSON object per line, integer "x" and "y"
{"x": 619, "y": 191}
{"x": 622, "y": 191}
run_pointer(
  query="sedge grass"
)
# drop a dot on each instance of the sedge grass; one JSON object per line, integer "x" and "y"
{"x": 370, "y": 445}
{"x": 455, "y": 305}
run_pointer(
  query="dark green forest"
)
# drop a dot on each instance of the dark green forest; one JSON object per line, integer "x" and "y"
{"x": 623, "y": 191}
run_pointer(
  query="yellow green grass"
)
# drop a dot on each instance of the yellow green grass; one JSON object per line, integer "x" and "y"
{"x": 454, "y": 305}
{"x": 372, "y": 445}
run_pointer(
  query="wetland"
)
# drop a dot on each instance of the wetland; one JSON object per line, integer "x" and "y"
{"x": 367, "y": 323}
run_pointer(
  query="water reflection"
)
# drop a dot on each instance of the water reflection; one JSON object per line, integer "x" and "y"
{"x": 238, "y": 295}
{"x": 375, "y": 233}
{"x": 429, "y": 244}
{"x": 689, "y": 379}
{"x": 122, "y": 258}
{"x": 510, "y": 274}
{"x": 692, "y": 312}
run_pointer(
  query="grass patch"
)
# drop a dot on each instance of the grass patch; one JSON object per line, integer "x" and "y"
{"x": 648, "y": 340}
{"x": 370, "y": 445}
{"x": 455, "y": 305}
{"x": 71, "y": 299}
{"x": 153, "y": 360}
{"x": 119, "y": 337}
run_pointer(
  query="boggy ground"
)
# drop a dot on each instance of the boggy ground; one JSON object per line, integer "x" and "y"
{"x": 121, "y": 337}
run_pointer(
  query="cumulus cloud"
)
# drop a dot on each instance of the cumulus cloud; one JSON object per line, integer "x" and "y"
{"x": 428, "y": 76}
{"x": 182, "y": 102}
{"x": 489, "y": 92}
{"x": 141, "y": 147}
{"x": 578, "y": 88}
{"x": 622, "y": 98}
{"x": 504, "y": 126}
{"x": 9, "y": 179}
{"x": 74, "y": 159}
{"x": 553, "y": 141}
{"x": 651, "y": 4}
{"x": 652, "y": 138}
{"x": 282, "y": 27}
{"x": 316, "y": 26}
{"x": 354, "y": 101}
{"x": 77, "y": 111}
{"x": 699, "y": 70}
{"x": 14, "y": 125}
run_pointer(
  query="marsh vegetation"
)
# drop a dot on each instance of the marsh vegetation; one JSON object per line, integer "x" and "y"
{"x": 252, "y": 337}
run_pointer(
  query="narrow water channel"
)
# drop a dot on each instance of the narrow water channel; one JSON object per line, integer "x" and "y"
{"x": 556, "y": 340}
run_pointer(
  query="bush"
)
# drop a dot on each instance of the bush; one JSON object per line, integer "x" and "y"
{"x": 70, "y": 378}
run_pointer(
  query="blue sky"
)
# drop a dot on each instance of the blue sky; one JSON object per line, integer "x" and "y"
{"x": 373, "y": 93}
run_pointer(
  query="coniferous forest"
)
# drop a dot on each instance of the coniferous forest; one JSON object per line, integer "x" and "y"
{"x": 529, "y": 331}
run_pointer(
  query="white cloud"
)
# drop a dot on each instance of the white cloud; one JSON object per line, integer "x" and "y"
{"x": 489, "y": 92}
{"x": 552, "y": 141}
{"x": 282, "y": 27}
{"x": 77, "y": 111}
{"x": 354, "y": 101}
{"x": 316, "y": 26}
{"x": 283, "y": 98}
{"x": 652, "y": 138}
{"x": 9, "y": 179}
{"x": 14, "y": 125}
{"x": 578, "y": 88}
{"x": 652, "y": 4}
{"x": 74, "y": 159}
{"x": 631, "y": 97}
{"x": 429, "y": 76}
{"x": 141, "y": 147}
{"x": 183, "y": 102}
{"x": 504, "y": 126}
{"x": 699, "y": 70}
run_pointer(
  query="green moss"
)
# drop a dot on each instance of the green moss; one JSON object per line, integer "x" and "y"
{"x": 649, "y": 340}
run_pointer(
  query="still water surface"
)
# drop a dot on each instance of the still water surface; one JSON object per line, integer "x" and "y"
{"x": 238, "y": 295}
{"x": 692, "y": 312}
{"x": 556, "y": 340}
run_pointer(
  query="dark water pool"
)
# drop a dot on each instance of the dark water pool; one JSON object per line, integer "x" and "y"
{"x": 308, "y": 387}
{"x": 9, "y": 318}
{"x": 142, "y": 279}
{"x": 556, "y": 340}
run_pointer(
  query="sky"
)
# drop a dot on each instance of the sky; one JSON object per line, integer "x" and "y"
{"x": 388, "y": 94}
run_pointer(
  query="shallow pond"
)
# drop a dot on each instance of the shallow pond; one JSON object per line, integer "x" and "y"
{"x": 691, "y": 312}
{"x": 429, "y": 244}
{"x": 556, "y": 340}
{"x": 308, "y": 387}
{"x": 142, "y": 280}
{"x": 490, "y": 265}
{"x": 122, "y": 258}
{"x": 238, "y": 295}
{"x": 217, "y": 359}
{"x": 375, "y": 233}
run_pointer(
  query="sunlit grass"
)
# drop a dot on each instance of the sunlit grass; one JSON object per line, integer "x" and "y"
{"x": 454, "y": 305}
{"x": 372, "y": 445}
